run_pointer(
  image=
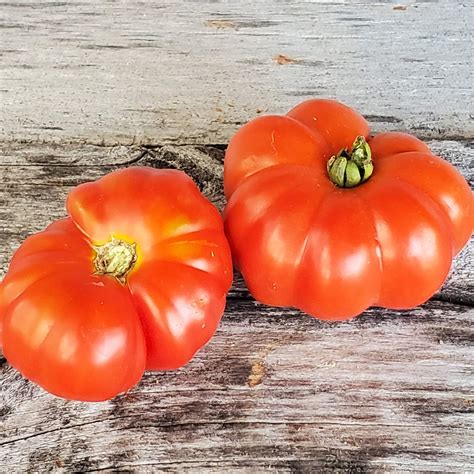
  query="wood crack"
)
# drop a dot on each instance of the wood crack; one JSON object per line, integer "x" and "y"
{"x": 204, "y": 422}
{"x": 452, "y": 300}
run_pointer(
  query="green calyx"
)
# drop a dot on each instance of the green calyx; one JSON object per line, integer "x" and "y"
{"x": 349, "y": 168}
{"x": 115, "y": 258}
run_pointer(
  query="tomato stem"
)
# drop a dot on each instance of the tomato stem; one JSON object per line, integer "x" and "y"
{"x": 348, "y": 169}
{"x": 115, "y": 258}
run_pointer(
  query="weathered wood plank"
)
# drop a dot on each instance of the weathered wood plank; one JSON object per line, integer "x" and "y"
{"x": 272, "y": 390}
{"x": 169, "y": 71}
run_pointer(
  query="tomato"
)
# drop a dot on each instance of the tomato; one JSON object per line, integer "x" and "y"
{"x": 325, "y": 218}
{"x": 136, "y": 278}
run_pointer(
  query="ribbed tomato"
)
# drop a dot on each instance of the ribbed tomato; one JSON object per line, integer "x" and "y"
{"x": 325, "y": 218}
{"x": 136, "y": 278}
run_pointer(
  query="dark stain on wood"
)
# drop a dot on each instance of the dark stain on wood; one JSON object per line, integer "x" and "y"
{"x": 382, "y": 118}
{"x": 435, "y": 410}
{"x": 174, "y": 416}
{"x": 412, "y": 60}
{"x": 5, "y": 411}
{"x": 104, "y": 46}
{"x": 199, "y": 165}
{"x": 256, "y": 23}
{"x": 222, "y": 24}
{"x": 51, "y": 128}
{"x": 34, "y": 5}
{"x": 78, "y": 458}
{"x": 455, "y": 335}
{"x": 309, "y": 93}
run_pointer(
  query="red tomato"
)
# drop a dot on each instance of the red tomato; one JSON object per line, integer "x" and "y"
{"x": 335, "y": 237}
{"x": 136, "y": 278}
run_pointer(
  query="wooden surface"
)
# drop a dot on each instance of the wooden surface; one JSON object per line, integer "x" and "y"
{"x": 190, "y": 72}
{"x": 274, "y": 390}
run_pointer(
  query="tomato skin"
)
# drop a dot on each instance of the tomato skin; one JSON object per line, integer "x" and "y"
{"x": 301, "y": 241}
{"x": 442, "y": 183}
{"x": 268, "y": 141}
{"x": 180, "y": 308}
{"x": 89, "y": 337}
{"x": 393, "y": 143}
{"x": 336, "y": 123}
{"x": 82, "y": 341}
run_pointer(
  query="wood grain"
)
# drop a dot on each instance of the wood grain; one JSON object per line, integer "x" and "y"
{"x": 142, "y": 72}
{"x": 388, "y": 391}
{"x": 274, "y": 390}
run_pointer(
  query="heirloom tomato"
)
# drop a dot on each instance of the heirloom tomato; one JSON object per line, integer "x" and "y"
{"x": 135, "y": 278}
{"x": 323, "y": 217}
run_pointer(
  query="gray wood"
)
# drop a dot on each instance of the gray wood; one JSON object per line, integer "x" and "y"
{"x": 191, "y": 72}
{"x": 274, "y": 389}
